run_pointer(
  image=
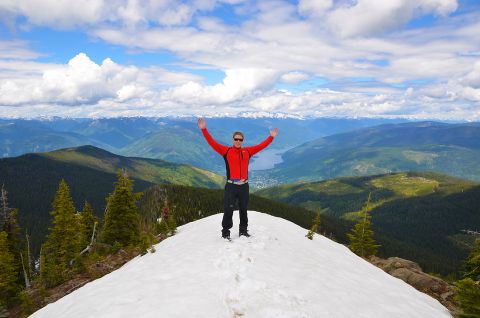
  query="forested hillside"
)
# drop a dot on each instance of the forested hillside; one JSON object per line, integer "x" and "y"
{"x": 31, "y": 181}
{"x": 424, "y": 213}
{"x": 451, "y": 149}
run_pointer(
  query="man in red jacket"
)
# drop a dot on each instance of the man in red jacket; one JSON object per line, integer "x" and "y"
{"x": 236, "y": 161}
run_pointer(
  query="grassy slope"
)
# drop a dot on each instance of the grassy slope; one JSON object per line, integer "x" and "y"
{"x": 151, "y": 170}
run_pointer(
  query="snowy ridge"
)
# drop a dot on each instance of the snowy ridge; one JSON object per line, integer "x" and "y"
{"x": 275, "y": 273}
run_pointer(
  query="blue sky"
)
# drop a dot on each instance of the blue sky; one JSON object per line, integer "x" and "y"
{"x": 367, "y": 58}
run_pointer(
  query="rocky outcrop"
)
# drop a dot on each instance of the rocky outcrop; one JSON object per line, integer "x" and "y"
{"x": 412, "y": 274}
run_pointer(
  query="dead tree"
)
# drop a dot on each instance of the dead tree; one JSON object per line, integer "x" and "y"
{"x": 4, "y": 209}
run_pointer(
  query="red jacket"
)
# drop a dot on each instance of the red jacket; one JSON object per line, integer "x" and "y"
{"x": 236, "y": 159}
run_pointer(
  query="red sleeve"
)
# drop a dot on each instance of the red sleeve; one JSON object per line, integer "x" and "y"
{"x": 221, "y": 149}
{"x": 252, "y": 150}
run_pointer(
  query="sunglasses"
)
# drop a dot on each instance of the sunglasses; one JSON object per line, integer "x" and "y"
{"x": 238, "y": 139}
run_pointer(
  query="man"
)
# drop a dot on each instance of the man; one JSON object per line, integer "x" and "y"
{"x": 236, "y": 163}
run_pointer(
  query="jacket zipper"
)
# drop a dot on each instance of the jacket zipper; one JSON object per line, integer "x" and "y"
{"x": 241, "y": 157}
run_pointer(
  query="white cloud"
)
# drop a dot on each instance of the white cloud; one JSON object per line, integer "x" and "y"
{"x": 314, "y": 7}
{"x": 472, "y": 78}
{"x": 16, "y": 49}
{"x": 365, "y": 65}
{"x": 82, "y": 81}
{"x": 237, "y": 84}
{"x": 370, "y": 17}
{"x": 55, "y": 13}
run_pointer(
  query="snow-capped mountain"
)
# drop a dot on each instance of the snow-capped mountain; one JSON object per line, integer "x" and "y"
{"x": 275, "y": 273}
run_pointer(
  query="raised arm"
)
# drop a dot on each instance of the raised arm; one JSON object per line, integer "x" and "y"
{"x": 221, "y": 149}
{"x": 257, "y": 148}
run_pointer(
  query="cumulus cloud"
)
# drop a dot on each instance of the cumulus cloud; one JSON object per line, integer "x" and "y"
{"x": 368, "y": 69}
{"x": 82, "y": 81}
{"x": 237, "y": 84}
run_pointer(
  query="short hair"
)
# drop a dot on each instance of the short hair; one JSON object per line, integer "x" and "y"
{"x": 238, "y": 133}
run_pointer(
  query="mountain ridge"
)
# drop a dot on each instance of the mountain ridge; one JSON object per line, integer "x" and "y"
{"x": 451, "y": 149}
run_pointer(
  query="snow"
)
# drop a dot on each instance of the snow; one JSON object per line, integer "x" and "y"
{"x": 277, "y": 273}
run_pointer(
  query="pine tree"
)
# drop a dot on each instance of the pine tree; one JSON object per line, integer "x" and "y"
{"x": 361, "y": 236}
{"x": 468, "y": 296}
{"x": 468, "y": 289}
{"x": 315, "y": 226}
{"x": 63, "y": 240}
{"x": 87, "y": 222}
{"x": 8, "y": 273}
{"x": 121, "y": 220}
{"x": 9, "y": 225}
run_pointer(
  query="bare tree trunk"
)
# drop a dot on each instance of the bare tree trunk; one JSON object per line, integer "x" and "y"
{"x": 4, "y": 208}
{"x": 92, "y": 240}
{"x": 25, "y": 275}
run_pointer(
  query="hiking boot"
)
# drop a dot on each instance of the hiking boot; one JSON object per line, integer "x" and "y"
{"x": 226, "y": 237}
{"x": 243, "y": 233}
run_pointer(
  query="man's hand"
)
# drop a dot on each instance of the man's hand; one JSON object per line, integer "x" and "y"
{"x": 274, "y": 132}
{"x": 201, "y": 123}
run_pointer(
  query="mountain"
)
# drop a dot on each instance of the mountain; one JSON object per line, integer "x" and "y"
{"x": 32, "y": 180}
{"x": 424, "y": 213}
{"x": 114, "y": 134}
{"x": 25, "y": 136}
{"x": 452, "y": 149}
{"x": 117, "y": 132}
{"x": 177, "y": 144}
{"x": 275, "y": 273}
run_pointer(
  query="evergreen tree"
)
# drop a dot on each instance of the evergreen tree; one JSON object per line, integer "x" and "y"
{"x": 9, "y": 225}
{"x": 361, "y": 236}
{"x": 121, "y": 220}
{"x": 63, "y": 240}
{"x": 315, "y": 226}
{"x": 8, "y": 273}
{"x": 468, "y": 289}
{"x": 468, "y": 296}
{"x": 87, "y": 222}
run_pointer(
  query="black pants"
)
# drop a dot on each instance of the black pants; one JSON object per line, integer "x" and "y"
{"x": 232, "y": 193}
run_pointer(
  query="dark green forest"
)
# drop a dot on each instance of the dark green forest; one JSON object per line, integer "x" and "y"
{"x": 417, "y": 216}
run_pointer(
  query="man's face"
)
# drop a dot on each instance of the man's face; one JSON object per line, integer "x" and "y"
{"x": 237, "y": 141}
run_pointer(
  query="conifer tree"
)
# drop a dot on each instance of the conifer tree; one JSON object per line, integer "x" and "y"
{"x": 121, "y": 220}
{"x": 9, "y": 225}
{"x": 63, "y": 240}
{"x": 361, "y": 236}
{"x": 468, "y": 289}
{"x": 315, "y": 226}
{"x": 8, "y": 273}
{"x": 468, "y": 296}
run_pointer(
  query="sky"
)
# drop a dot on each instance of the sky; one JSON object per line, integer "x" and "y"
{"x": 276, "y": 273}
{"x": 417, "y": 59}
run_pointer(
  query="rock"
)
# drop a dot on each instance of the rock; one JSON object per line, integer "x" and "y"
{"x": 411, "y": 273}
